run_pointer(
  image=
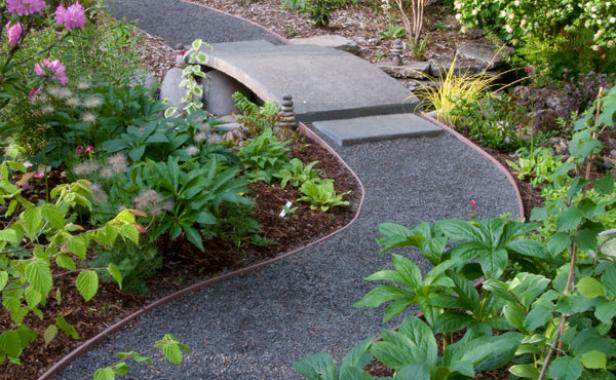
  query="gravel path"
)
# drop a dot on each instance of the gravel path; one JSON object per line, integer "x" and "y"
{"x": 179, "y": 22}
{"x": 256, "y": 326}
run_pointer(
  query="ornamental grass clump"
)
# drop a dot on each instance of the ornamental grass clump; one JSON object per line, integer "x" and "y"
{"x": 452, "y": 88}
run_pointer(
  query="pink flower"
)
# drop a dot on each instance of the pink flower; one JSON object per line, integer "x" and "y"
{"x": 89, "y": 149}
{"x": 25, "y": 7}
{"x": 13, "y": 33}
{"x": 72, "y": 17}
{"x": 39, "y": 175}
{"x": 78, "y": 150}
{"x": 53, "y": 69}
{"x": 473, "y": 203}
{"x": 34, "y": 91}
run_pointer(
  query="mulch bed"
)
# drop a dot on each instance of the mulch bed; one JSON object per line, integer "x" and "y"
{"x": 183, "y": 265}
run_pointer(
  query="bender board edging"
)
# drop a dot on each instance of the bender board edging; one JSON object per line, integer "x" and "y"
{"x": 282, "y": 39}
{"x": 478, "y": 149}
{"x": 86, "y": 346}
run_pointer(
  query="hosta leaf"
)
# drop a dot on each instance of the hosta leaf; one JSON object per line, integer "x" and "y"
{"x": 39, "y": 276}
{"x": 590, "y": 287}
{"x": 319, "y": 366}
{"x": 594, "y": 360}
{"x": 87, "y": 284}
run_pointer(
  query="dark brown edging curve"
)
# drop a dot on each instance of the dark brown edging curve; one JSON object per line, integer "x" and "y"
{"x": 281, "y": 38}
{"x": 487, "y": 155}
{"x": 90, "y": 343}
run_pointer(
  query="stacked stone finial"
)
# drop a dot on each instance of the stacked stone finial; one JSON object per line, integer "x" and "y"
{"x": 287, "y": 113}
{"x": 396, "y": 53}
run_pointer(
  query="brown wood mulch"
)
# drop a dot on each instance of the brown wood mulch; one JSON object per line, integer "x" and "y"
{"x": 183, "y": 265}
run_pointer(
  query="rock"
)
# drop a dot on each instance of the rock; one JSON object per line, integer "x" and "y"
{"x": 412, "y": 69}
{"x": 484, "y": 56}
{"x": 329, "y": 40}
{"x": 218, "y": 89}
{"x": 170, "y": 88}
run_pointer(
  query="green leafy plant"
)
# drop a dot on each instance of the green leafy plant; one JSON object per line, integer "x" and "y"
{"x": 255, "y": 118}
{"x": 321, "y": 194}
{"x": 393, "y": 32}
{"x": 537, "y": 164}
{"x": 264, "y": 156}
{"x": 296, "y": 173}
{"x": 169, "y": 346}
{"x": 545, "y": 306}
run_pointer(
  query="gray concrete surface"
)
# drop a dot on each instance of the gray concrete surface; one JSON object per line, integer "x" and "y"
{"x": 325, "y": 83}
{"x": 375, "y": 128}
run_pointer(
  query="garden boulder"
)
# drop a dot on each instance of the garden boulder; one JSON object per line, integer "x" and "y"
{"x": 329, "y": 40}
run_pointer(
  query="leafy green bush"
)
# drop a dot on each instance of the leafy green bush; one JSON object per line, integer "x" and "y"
{"x": 264, "y": 156}
{"x": 320, "y": 194}
{"x": 491, "y": 121}
{"x": 256, "y": 119}
{"x": 296, "y": 173}
{"x": 319, "y": 11}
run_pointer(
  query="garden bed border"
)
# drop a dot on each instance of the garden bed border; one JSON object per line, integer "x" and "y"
{"x": 51, "y": 372}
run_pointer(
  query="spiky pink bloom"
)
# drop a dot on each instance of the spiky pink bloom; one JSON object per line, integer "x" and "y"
{"x": 52, "y": 69}
{"x": 13, "y": 33}
{"x": 89, "y": 149}
{"x": 25, "y": 7}
{"x": 73, "y": 17}
{"x": 78, "y": 150}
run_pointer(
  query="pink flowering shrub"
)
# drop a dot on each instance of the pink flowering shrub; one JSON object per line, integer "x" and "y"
{"x": 13, "y": 33}
{"x": 25, "y": 7}
{"x": 73, "y": 17}
{"x": 52, "y": 69}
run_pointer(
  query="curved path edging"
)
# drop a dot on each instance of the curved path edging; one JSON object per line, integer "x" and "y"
{"x": 480, "y": 150}
{"x": 265, "y": 29}
{"x": 119, "y": 325}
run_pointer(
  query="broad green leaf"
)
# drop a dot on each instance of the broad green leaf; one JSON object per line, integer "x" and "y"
{"x": 608, "y": 279}
{"x": 78, "y": 245}
{"x": 538, "y": 316}
{"x": 104, "y": 374}
{"x": 460, "y": 230}
{"x": 565, "y": 368}
{"x": 395, "y": 235}
{"x": 194, "y": 237}
{"x": 515, "y": 315}
{"x": 357, "y": 359}
{"x": 10, "y": 343}
{"x": 559, "y": 243}
{"x": 172, "y": 349}
{"x": 594, "y": 360}
{"x": 604, "y": 185}
{"x": 87, "y": 284}
{"x": 319, "y": 366}
{"x": 115, "y": 272}
{"x": 66, "y": 327}
{"x": 417, "y": 371}
{"x": 4, "y": 279}
{"x": 606, "y": 312}
{"x": 64, "y": 261}
{"x": 39, "y": 276}
{"x": 493, "y": 262}
{"x": 590, "y": 287}
{"x": 569, "y": 219}
{"x": 381, "y": 294}
{"x": 50, "y": 333}
{"x": 33, "y": 297}
{"x": 525, "y": 371}
{"x": 529, "y": 248}
{"x": 408, "y": 270}
{"x": 10, "y": 236}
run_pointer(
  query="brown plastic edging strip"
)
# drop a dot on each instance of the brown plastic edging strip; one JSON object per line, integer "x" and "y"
{"x": 487, "y": 155}
{"x": 90, "y": 343}
{"x": 281, "y": 38}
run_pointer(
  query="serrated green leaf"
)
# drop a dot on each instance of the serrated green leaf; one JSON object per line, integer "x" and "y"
{"x": 87, "y": 284}
{"x": 115, "y": 272}
{"x": 4, "y": 279}
{"x": 39, "y": 276}
{"x": 66, "y": 327}
{"x": 64, "y": 261}
{"x": 569, "y": 220}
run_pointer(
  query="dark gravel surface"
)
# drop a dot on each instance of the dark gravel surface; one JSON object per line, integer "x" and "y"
{"x": 256, "y": 326}
{"x": 179, "y": 22}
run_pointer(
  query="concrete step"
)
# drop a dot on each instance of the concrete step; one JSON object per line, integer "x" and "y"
{"x": 325, "y": 83}
{"x": 376, "y": 128}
